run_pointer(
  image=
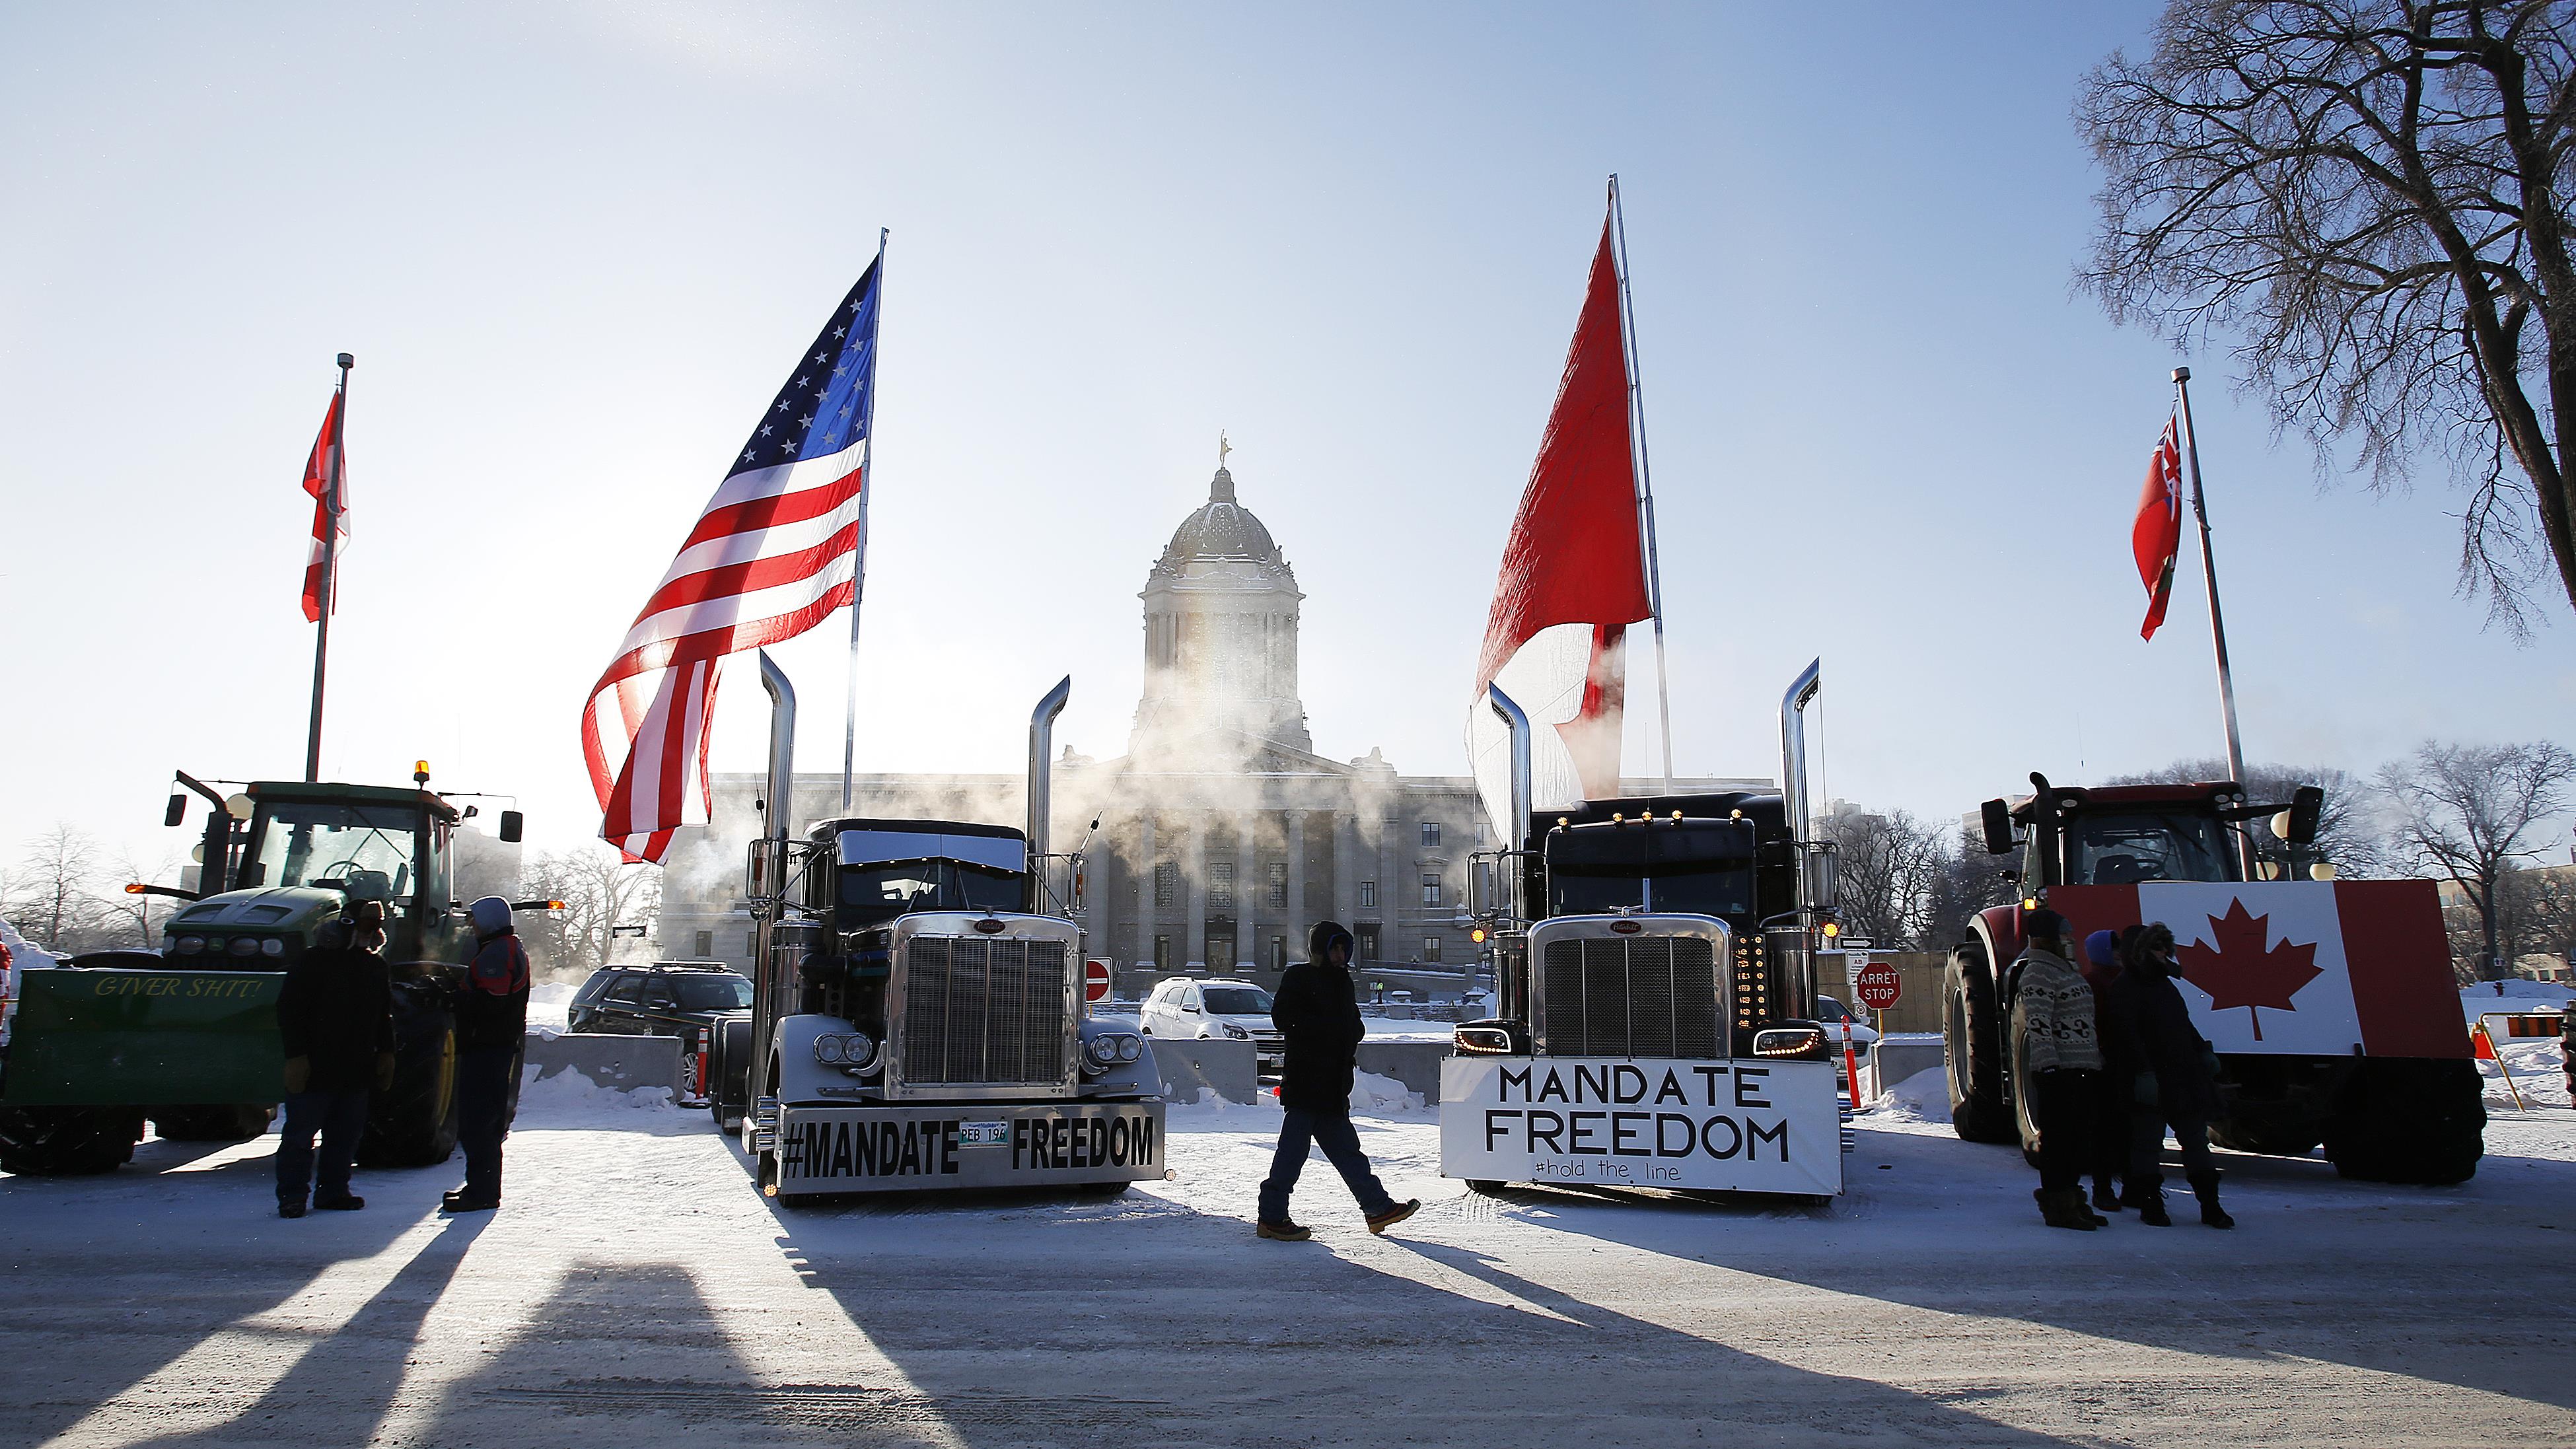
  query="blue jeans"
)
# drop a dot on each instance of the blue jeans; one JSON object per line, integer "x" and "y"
{"x": 340, "y": 1117}
{"x": 1333, "y": 1132}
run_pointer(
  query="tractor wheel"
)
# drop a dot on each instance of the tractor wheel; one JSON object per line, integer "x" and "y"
{"x": 1971, "y": 1029}
{"x": 2409, "y": 1120}
{"x": 2272, "y": 1136}
{"x": 414, "y": 1124}
{"x": 238, "y": 1123}
{"x": 68, "y": 1141}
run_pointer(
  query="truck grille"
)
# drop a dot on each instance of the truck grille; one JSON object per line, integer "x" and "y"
{"x": 1642, "y": 996}
{"x": 983, "y": 1012}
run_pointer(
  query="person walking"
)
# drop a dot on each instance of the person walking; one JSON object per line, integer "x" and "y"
{"x": 1317, "y": 1011}
{"x": 491, "y": 1020}
{"x": 2058, "y": 1056}
{"x": 2101, "y": 967}
{"x": 2174, "y": 1080}
{"x": 335, "y": 1018}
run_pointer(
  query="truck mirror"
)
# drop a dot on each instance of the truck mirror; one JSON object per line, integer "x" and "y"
{"x": 178, "y": 810}
{"x": 1824, "y": 878}
{"x": 1997, "y": 822}
{"x": 513, "y": 824}
{"x": 2307, "y": 809}
{"x": 1480, "y": 886}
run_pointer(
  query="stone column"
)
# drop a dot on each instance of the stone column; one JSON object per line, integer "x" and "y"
{"x": 1251, "y": 887}
{"x": 1299, "y": 917}
{"x": 1194, "y": 882}
{"x": 1346, "y": 863}
{"x": 1145, "y": 920}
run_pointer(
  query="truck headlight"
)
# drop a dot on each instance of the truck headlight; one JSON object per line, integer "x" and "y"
{"x": 830, "y": 1050}
{"x": 1130, "y": 1048}
{"x": 273, "y": 946}
{"x": 191, "y": 945}
{"x": 859, "y": 1049}
{"x": 1104, "y": 1049}
{"x": 244, "y": 946}
{"x": 1790, "y": 1041}
{"x": 1489, "y": 1040}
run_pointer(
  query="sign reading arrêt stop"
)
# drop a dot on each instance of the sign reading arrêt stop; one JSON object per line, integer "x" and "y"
{"x": 1878, "y": 986}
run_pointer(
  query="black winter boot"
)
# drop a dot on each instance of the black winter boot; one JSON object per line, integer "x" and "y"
{"x": 2106, "y": 1198}
{"x": 2064, "y": 1208}
{"x": 2150, "y": 1203}
{"x": 2206, "y": 1189}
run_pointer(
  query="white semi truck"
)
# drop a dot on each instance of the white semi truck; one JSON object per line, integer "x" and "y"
{"x": 919, "y": 1020}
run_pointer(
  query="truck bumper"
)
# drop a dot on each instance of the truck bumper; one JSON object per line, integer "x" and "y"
{"x": 823, "y": 1148}
{"x": 116, "y": 1036}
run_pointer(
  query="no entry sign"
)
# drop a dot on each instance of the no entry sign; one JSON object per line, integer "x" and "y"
{"x": 1878, "y": 986}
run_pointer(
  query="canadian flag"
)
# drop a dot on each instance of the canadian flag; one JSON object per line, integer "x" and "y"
{"x": 1573, "y": 580}
{"x": 2297, "y": 968}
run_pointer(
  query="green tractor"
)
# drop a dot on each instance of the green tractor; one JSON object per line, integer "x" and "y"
{"x": 187, "y": 1037}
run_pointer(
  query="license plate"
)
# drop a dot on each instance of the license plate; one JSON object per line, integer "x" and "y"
{"x": 983, "y": 1134}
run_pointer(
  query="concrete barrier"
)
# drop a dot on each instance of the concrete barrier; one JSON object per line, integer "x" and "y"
{"x": 1414, "y": 1063}
{"x": 1227, "y": 1065}
{"x": 618, "y": 1062}
{"x": 1897, "y": 1057}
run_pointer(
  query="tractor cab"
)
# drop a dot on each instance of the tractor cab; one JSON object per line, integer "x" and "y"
{"x": 2125, "y": 835}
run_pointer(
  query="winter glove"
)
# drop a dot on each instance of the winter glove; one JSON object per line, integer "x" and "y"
{"x": 299, "y": 1074}
{"x": 384, "y": 1071}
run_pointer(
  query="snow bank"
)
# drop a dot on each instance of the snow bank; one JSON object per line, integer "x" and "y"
{"x": 1373, "y": 1093}
{"x": 571, "y": 1099}
{"x": 2533, "y": 996}
{"x": 547, "y": 1002}
{"x": 1388, "y": 1028}
{"x": 1923, "y": 1097}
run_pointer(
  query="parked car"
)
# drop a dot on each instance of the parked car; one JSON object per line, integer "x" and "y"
{"x": 667, "y": 998}
{"x": 1833, "y": 1015}
{"x": 1191, "y": 1009}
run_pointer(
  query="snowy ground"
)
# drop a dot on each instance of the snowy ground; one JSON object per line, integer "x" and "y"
{"x": 636, "y": 1290}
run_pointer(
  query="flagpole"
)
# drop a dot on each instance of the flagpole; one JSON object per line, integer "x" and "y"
{"x": 1645, "y": 480}
{"x": 330, "y": 571}
{"x": 859, "y": 563}
{"x": 2209, "y": 573}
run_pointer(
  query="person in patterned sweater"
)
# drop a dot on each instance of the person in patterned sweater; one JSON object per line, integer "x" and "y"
{"x": 2057, "y": 1055}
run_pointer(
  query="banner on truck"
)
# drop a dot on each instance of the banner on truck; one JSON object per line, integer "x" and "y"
{"x": 1736, "y": 1126}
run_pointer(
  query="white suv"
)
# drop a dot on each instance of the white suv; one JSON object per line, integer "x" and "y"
{"x": 1192, "y": 1010}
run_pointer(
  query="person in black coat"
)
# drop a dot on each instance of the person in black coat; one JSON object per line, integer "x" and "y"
{"x": 491, "y": 1018}
{"x": 335, "y": 1018}
{"x": 1317, "y": 1011}
{"x": 2174, "y": 1081}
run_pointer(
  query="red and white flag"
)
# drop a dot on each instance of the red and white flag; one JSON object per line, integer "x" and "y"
{"x": 326, "y": 467}
{"x": 2298, "y": 968}
{"x": 1573, "y": 579}
{"x": 773, "y": 553}
{"x": 2156, "y": 536}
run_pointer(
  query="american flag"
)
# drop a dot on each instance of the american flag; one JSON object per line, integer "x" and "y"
{"x": 326, "y": 477}
{"x": 774, "y": 552}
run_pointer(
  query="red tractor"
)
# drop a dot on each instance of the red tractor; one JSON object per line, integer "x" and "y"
{"x": 2332, "y": 1004}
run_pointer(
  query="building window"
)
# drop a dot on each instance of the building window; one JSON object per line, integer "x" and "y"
{"x": 1368, "y": 895}
{"x": 1279, "y": 885}
{"x": 1430, "y": 834}
{"x": 1278, "y": 953}
{"x": 1431, "y": 949}
{"x": 706, "y": 945}
{"x": 1167, "y": 884}
{"x": 1368, "y": 944}
{"x": 1220, "y": 885}
{"x": 1430, "y": 888}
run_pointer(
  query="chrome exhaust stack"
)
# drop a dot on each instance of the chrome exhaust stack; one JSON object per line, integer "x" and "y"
{"x": 1041, "y": 791}
{"x": 1515, "y": 830}
{"x": 780, "y": 802}
{"x": 1793, "y": 775}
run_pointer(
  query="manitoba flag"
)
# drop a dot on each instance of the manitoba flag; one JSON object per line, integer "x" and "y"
{"x": 772, "y": 554}
{"x": 326, "y": 477}
{"x": 2156, "y": 536}
{"x": 1573, "y": 579}
{"x": 2298, "y": 968}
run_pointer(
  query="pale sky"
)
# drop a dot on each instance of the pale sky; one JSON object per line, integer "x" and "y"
{"x": 575, "y": 248}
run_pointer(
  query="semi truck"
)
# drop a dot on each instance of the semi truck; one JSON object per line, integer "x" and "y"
{"x": 2332, "y": 1004}
{"x": 186, "y": 1038}
{"x": 1655, "y": 964}
{"x": 920, "y": 1016}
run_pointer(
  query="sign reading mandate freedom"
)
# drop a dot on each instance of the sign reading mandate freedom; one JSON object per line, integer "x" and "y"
{"x": 1771, "y": 1126}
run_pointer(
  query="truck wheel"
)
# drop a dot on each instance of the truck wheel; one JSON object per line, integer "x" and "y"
{"x": 1972, "y": 1035}
{"x": 1485, "y": 1187}
{"x": 2271, "y": 1136}
{"x": 414, "y": 1124}
{"x": 238, "y": 1123}
{"x": 68, "y": 1141}
{"x": 729, "y": 1063}
{"x": 2409, "y": 1120}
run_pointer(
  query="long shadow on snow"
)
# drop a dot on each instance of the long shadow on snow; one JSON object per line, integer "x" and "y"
{"x": 2372, "y": 1275}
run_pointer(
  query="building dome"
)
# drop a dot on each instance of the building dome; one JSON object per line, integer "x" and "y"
{"x": 1222, "y": 528}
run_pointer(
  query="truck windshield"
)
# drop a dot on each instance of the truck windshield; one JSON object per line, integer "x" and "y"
{"x": 1724, "y": 889}
{"x": 2127, "y": 847}
{"x": 295, "y": 842}
{"x": 872, "y": 893}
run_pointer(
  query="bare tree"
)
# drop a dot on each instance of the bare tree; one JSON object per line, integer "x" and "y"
{"x": 56, "y": 898}
{"x": 1888, "y": 867}
{"x": 2371, "y": 196}
{"x": 1969, "y": 881}
{"x": 600, "y": 893}
{"x": 2348, "y": 832}
{"x": 2471, "y": 814}
{"x": 136, "y": 919}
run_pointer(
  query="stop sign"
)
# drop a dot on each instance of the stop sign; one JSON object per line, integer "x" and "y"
{"x": 1095, "y": 980}
{"x": 1878, "y": 986}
